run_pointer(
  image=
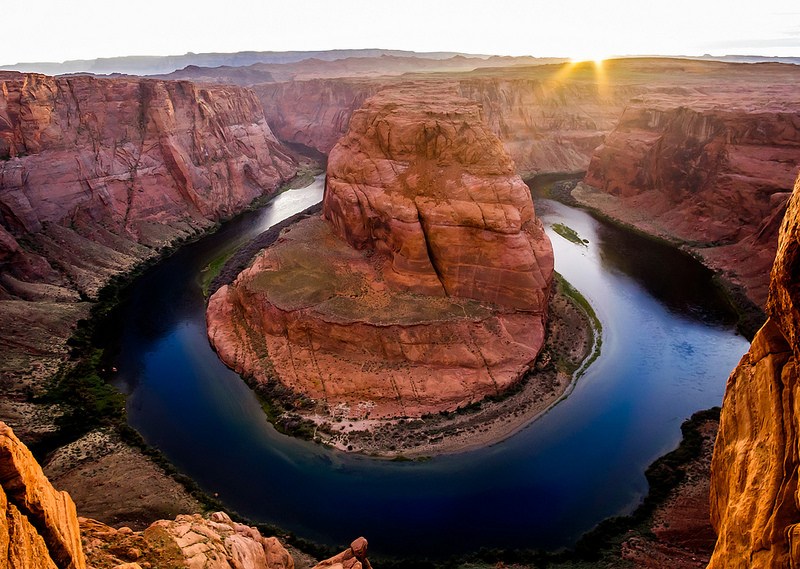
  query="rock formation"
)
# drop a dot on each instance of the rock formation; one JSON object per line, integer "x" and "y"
{"x": 426, "y": 287}
{"x": 547, "y": 122}
{"x": 38, "y": 524}
{"x": 97, "y": 175}
{"x": 354, "y": 557}
{"x": 713, "y": 172}
{"x": 755, "y": 505}
{"x": 40, "y": 529}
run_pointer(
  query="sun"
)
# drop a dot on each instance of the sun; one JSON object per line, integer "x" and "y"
{"x": 598, "y": 59}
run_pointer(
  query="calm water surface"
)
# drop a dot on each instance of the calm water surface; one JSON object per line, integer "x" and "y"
{"x": 668, "y": 347}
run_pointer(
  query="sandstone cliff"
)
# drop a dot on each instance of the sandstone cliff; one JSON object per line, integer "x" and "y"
{"x": 38, "y": 524}
{"x": 546, "y": 121}
{"x": 426, "y": 288}
{"x": 97, "y": 175}
{"x": 713, "y": 172}
{"x": 755, "y": 505}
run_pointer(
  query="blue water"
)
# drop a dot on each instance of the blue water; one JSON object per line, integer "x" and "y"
{"x": 668, "y": 347}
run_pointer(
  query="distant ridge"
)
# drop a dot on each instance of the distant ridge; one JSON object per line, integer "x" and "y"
{"x": 157, "y": 64}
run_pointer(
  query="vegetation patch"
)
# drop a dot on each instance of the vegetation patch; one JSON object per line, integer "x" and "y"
{"x": 569, "y": 234}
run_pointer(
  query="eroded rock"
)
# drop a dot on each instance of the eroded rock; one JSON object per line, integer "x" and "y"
{"x": 38, "y": 524}
{"x": 754, "y": 490}
{"x": 424, "y": 289}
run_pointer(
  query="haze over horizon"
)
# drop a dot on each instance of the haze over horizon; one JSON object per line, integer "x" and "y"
{"x": 579, "y": 29}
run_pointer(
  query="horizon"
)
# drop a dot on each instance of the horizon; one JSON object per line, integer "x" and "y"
{"x": 575, "y": 29}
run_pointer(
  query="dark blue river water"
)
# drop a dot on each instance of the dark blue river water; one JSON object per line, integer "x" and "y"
{"x": 668, "y": 347}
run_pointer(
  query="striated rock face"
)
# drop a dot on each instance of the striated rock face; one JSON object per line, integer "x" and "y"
{"x": 713, "y": 172}
{"x": 755, "y": 505}
{"x": 548, "y": 122}
{"x": 97, "y": 175}
{"x": 429, "y": 186}
{"x": 38, "y": 524}
{"x": 123, "y": 163}
{"x": 425, "y": 288}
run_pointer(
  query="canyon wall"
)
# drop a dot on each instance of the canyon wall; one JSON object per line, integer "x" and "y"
{"x": 711, "y": 172}
{"x": 97, "y": 175}
{"x": 546, "y": 123}
{"x": 38, "y": 524}
{"x": 755, "y": 502}
{"x": 424, "y": 289}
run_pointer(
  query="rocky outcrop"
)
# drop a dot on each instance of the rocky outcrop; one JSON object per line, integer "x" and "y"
{"x": 755, "y": 505}
{"x": 354, "y": 557}
{"x": 712, "y": 172}
{"x": 428, "y": 186}
{"x": 38, "y": 524}
{"x": 424, "y": 290}
{"x": 39, "y": 528}
{"x": 190, "y": 541}
{"x": 97, "y": 175}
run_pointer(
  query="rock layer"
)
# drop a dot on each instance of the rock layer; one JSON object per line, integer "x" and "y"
{"x": 426, "y": 288}
{"x": 97, "y": 175}
{"x": 38, "y": 524}
{"x": 755, "y": 505}
{"x": 715, "y": 177}
{"x": 429, "y": 186}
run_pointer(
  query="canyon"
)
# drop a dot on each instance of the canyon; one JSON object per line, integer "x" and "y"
{"x": 627, "y": 123}
{"x": 712, "y": 174}
{"x": 425, "y": 287}
{"x": 98, "y": 176}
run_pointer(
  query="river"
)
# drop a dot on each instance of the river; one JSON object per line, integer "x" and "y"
{"x": 669, "y": 344}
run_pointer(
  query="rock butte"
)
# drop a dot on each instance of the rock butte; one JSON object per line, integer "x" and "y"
{"x": 39, "y": 528}
{"x": 755, "y": 505}
{"x": 424, "y": 288}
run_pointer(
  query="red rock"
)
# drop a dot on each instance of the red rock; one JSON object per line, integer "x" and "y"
{"x": 354, "y": 557}
{"x": 436, "y": 296}
{"x": 97, "y": 175}
{"x": 38, "y": 524}
{"x": 712, "y": 171}
{"x": 754, "y": 472}
{"x": 420, "y": 178}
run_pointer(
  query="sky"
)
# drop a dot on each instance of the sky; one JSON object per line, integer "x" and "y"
{"x": 59, "y": 30}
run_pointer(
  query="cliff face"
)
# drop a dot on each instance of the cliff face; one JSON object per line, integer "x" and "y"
{"x": 425, "y": 290}
{"x": 38, "y": 524}
{"x": 97, "y": 175}
{"x": 714, "y": 173}
{"x": 755, "y": 505}
{"x": 429, "y": 186}
{"x": 545, "y": 123}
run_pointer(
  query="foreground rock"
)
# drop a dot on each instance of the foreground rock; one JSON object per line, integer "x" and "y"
{"x": 754, "y": 504}
{"x": 38, "y": 524}
{"x": 712, "y": 171}
{"x": 40, "y": 529}
{"x": 97, "y": 175}
{"x": 425, "y": 287}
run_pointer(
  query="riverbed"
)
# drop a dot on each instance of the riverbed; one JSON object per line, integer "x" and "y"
{"x": 669, "y": 343}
